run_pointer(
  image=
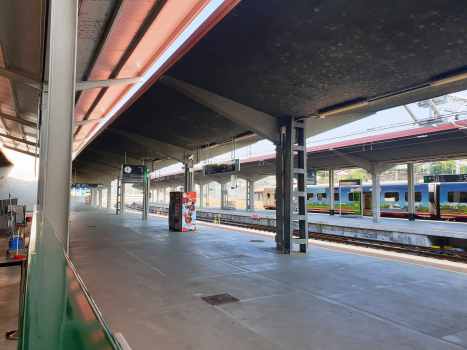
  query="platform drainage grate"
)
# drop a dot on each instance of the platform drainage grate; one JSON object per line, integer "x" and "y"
{"x": 220, "y": 299}
{"x": 91, "y": 226}
{"x": 256, "y": 240}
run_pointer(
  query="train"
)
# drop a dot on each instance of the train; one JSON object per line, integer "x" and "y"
{"x": 432, "y": 201}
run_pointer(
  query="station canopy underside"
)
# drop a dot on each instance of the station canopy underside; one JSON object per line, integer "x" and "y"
{"x": 241, "y": 73}
{"x": 420, "y": 145}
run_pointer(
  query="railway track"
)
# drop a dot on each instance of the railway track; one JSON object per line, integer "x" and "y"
{"x": 444, "y": 254}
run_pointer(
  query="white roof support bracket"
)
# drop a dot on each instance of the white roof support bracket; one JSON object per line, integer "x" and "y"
{"x": 81, "y": 85}
{"x": 172, "y": 151}
{"x": 258, "y": 122}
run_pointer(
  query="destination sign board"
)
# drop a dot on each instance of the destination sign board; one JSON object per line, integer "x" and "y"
{"x": 311, "y": 177}
{"x": 86, "y": 186}
{"x": 445, "y": 178}
{"x": 134, "y": 173}
{"x": 222, "y": 167}
{"x": 356, "y": 182}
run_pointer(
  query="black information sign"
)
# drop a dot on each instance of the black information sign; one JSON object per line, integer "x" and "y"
{"x": 356, "y": 182}
{"x": 311, "y": 177}
{"x": 134, "y": 173}
{"x": 445, "y": 178}
{"x": 86, "y": 186}
{"x": 223, "y": 167}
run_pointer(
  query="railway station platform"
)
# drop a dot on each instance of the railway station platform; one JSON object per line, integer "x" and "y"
{"x": 149, "y": 283}
{"x": 419, "y": 232}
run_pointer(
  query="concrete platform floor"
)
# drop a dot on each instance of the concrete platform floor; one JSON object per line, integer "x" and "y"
{"x": 148, "y": 283}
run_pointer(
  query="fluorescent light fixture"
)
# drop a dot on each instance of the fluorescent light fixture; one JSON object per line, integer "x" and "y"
{"x": 449, "y": 80}
{"x": 202, "y": 16}
{"x": 342, "y": 109}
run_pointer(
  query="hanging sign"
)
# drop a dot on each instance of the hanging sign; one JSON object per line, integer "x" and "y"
{"x": 134, "y": 173}
{"x": 311, "y": 177}
{"x": 445, "y": 178}
{"x": 86, "y": 186}
{"x": 222, "y": 167}
{"x": 356, "y": 182}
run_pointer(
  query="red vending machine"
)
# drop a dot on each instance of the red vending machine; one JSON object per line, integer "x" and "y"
{"x": 182, "y": 211}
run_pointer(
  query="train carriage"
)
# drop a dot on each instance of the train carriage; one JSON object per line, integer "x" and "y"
{"x": 437, "y": 201}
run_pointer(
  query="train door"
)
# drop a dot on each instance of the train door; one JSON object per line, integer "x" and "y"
{"x": 367, "y": 203}
{"x": 357, "y": 207}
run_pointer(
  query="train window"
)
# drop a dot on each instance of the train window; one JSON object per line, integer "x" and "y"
{"x": 418, "y": 196}
{"x": 322, "y": 196}
{"x": 310, "y": 196}
{"x": 350, "y": 197}
{"x": 391, "y": 196}
{"x": 457, "y": 197}
{"x": 269, "y": 195}
{"x": 336, "y": 196}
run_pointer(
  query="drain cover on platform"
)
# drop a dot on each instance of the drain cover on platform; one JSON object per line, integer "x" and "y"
{"x": 256, "y": 240}
{"x": 220, "y": 299}
{"x": 91, "y": 226}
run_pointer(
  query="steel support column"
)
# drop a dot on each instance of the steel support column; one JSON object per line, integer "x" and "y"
{"x": 376, "y": 197}
{"x": 122, "y": 199}
{"x": 101, "y": 190}
{"x": 411, "y": 192}
{"x": 251, "y": 185}
{"x": 223, "y": 188}
{"x": 295, "y": 141}
{"x": 57, "y": 127}
{"x": 201, "y": 194}
{"x": 146, "y": 190}
{"x": 248, "y": 194}
{"x": 189, "y": 184}
{"x": 331, "y": 192}
{"x": 109, "y": 196}
{"x": 280, "y": 195}
{"x": 164, "y": 195}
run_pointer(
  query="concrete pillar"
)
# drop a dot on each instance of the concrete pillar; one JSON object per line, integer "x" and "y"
{"x": 207, "y": 194}
{"x": 331, "y": 192}
{"x": 57, "y": 117}
{"x": 164, "y": 195}
{"x": 411, "y": 192}
{"x": 376, "y": 197}
{"x": 101, "y": 190}
{"x": 201, "y": 193}
{"x": 109, "y": 196}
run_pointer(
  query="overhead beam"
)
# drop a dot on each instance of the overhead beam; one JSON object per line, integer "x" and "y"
{"x": 118, "y": 158}
{"x": 174, "y": 152}
{"x": 103, "y": 168}
{"x": 86, "y": 85}
{"x": 21, "y": 151}
{"x": 33, "y": 144}
{"x": 83, "y": 122}
{"x": 6, "y": 73}
{"x": 260, "y": 123}
{"x": 18, "y": 120}
{"x": 365, "y": 164}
